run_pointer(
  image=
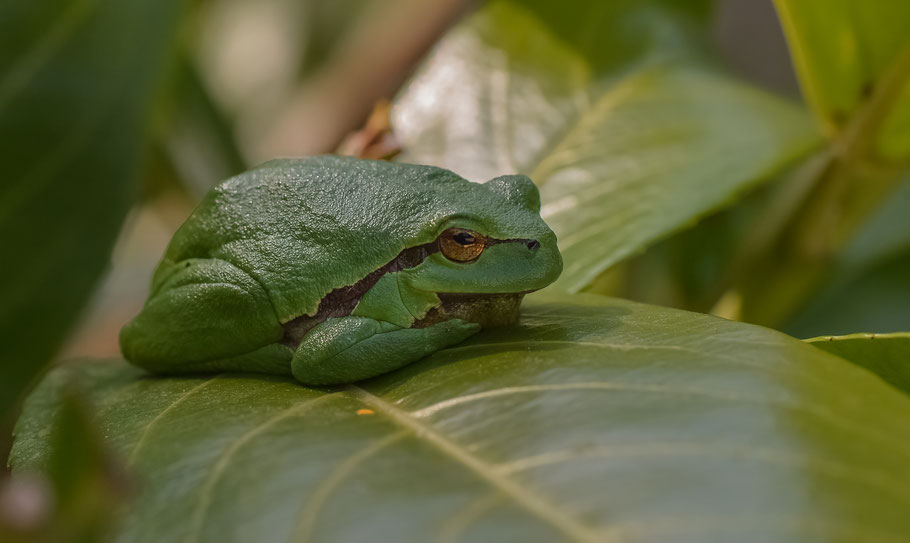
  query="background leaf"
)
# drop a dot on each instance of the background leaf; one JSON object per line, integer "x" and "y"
{"x": 594, "y": 419}
{"x": 842, "y": 51}
{"x": 853, "y": 61}
{"x": 875, "y": 300}
{"x": 886, "y": 355}
{"x": 868, "y": 286}
{"x": 78, "y": 82}
{"x": 612, "y": 111}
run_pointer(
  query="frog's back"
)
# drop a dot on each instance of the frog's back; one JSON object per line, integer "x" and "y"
{"x": 303, "y": 227}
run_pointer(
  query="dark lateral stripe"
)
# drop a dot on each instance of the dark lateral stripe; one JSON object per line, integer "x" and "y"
{"x": 342, "y": 301}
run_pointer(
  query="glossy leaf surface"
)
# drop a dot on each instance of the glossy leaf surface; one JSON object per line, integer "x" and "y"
{"x": 609, "y": 109}
{"x": 593, "y": 420}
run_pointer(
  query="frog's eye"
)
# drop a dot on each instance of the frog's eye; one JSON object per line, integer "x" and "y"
{"x": 460, "y": 244}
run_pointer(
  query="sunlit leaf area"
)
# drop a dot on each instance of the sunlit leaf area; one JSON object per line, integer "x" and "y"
{"x": 725, "y": 355}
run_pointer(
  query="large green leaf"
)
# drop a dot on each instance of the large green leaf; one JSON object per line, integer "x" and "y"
{"x": 852, "y": 54}
{"x": 611, "y": 112}
{"x": 593, "y": 420}
{"x": 887, "y": 355}
{"x": 77, "y": 81}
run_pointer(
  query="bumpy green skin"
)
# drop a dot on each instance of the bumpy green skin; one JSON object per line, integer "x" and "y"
{"x": 266, "y": 247}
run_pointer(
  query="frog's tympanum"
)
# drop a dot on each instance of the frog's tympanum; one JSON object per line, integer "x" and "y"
{"x": 337, "y": 269}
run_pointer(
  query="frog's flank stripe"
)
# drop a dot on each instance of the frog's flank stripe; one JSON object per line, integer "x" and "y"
{"x": 342, "y": 301}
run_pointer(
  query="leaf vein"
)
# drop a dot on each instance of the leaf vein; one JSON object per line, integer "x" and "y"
{"x": 833, "y": 469}
{"x": 308, "y": 516}
{"x": 520, "y": 494}
{"x": 222, "y": 462}
{"x": 159, "y": 416}
{"x": 821, "y": 414}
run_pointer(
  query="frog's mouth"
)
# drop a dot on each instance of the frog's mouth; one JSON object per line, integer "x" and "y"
{"x": 488, "y": 310}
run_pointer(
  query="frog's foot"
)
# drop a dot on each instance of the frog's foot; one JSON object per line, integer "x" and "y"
{"x": 349, "y": 349}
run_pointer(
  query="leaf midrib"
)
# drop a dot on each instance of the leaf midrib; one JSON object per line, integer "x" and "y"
{"x": 601, "y": 106}
{"x": 539, "y": 507}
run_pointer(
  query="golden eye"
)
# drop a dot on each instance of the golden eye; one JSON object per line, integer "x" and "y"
{"x": 460, "y": 244}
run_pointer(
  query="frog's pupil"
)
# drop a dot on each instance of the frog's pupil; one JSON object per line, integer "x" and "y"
{"x": 464, "y": 238}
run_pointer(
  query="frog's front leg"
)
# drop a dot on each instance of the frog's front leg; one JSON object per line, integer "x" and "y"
{"x": 348, "y": 349}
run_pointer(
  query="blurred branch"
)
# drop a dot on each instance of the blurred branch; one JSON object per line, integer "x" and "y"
{"x": 372, "y": 64}
{"x": 197, "y": 143}
{"x": 375, "y": 140}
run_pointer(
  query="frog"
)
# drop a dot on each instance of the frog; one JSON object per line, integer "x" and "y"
{"x": 333, "y": 269}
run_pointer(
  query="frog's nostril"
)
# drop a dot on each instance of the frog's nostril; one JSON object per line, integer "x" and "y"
{"x": 533, "y": 245}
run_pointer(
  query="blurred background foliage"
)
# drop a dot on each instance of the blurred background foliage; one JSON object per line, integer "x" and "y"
{"x": 116, "y": 113}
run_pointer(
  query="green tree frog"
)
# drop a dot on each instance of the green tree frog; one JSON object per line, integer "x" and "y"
{"x": 336, "y": 269}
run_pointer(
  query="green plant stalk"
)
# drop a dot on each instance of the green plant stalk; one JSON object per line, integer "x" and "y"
{"x": 844, "y": 195}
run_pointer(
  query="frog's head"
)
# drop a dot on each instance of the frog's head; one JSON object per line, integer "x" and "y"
{"x": 495, "y": 244}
